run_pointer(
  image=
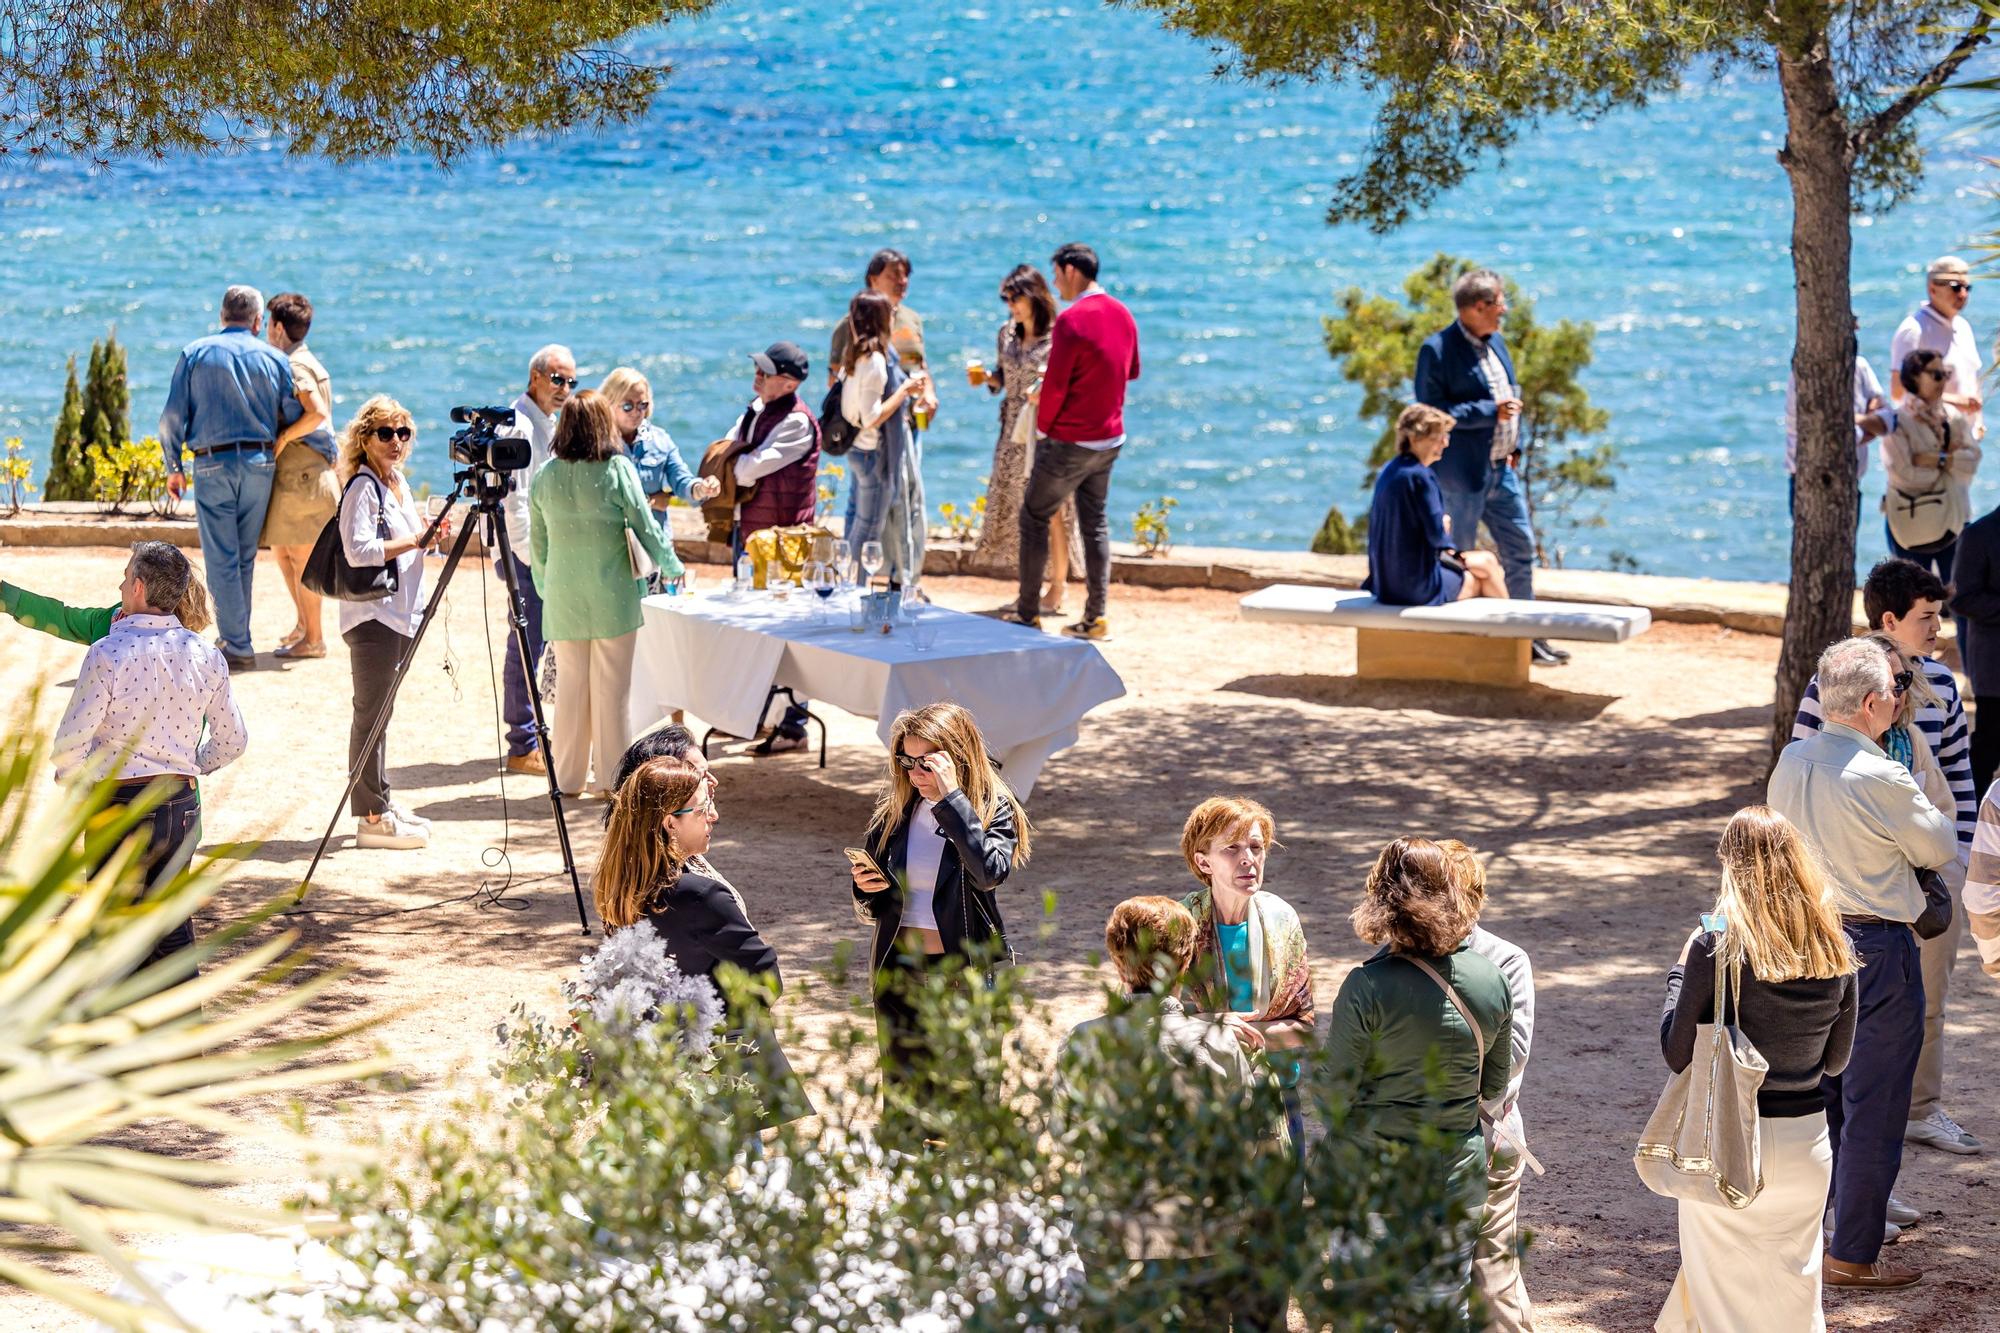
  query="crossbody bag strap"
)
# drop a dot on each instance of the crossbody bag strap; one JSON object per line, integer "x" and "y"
{"x": 1478, "y": 1035}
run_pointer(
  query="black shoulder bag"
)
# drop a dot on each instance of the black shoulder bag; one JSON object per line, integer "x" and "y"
{"x": 328, "y": 571}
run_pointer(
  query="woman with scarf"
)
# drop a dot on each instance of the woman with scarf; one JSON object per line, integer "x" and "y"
{"x": 1250, "y": 953}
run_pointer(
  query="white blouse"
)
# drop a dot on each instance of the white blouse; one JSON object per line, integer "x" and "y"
{"x": 359, "y": 506}
{"x": 921, "y": 867}
{"x": 861, "y": 399}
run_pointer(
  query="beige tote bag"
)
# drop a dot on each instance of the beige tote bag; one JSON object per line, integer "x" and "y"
{"x": 1701, "y": 1144}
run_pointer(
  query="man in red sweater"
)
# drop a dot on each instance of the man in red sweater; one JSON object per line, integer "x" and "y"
{"x": 1079, "y": 429}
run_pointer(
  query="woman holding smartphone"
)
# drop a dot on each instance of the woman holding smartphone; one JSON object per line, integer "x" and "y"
{"x": 947, "y": 832}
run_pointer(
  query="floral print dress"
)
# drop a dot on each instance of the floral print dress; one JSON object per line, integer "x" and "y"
{"x": 1017, "y": 370}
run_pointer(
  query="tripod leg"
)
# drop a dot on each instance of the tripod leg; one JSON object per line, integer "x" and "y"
{"x": 389, "y": 699}
{"x": 519, "y": 620}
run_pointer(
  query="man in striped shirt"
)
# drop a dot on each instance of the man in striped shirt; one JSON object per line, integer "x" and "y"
{"x": 1905, "y": 601}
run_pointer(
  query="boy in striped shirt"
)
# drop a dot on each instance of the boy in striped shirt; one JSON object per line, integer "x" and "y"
{"x": 1904, "y": 602}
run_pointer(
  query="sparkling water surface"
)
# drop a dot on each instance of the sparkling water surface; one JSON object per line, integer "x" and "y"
{"x": 790, "y": 143}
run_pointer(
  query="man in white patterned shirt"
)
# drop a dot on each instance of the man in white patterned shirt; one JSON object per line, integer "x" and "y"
{"x": 137, "y": 715}
{"x": 1905, "y": 601}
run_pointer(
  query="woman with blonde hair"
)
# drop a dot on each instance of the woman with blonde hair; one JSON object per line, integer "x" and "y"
{"x": 652, "y": 869}
{"x": 1250, "y": 964}
{"x": 88, "y": 624}
{"x": 947, "y": 832}
{"x": 1789, "y": 971}
{"x": 379, "y": 525}
{"x": 663, "y": 474}
{"x": 588, "y": 495}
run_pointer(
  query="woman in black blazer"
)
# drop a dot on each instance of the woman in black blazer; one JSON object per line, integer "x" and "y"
{"x": 947, "y": 832}
{"x": 652, "y": 870}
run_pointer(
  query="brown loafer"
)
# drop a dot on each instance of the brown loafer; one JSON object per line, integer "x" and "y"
{"x": 1877, "y": 1276}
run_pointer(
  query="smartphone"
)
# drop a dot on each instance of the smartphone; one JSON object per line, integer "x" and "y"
{"x": 861, "y": 860}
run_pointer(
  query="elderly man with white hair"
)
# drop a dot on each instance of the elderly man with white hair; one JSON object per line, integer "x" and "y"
{"x": 1939, "y": 325}
{"x": 551, "y": 381}
{"x": 1873, "y": 828}
{"x": 230, "y": 395}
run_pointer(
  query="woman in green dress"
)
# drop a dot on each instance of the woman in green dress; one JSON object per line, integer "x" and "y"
{"x": 88, "y": 624}
{"x": 586, "y": 511}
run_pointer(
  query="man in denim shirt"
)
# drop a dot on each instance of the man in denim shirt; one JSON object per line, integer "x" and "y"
{"x": 230, "y": 396}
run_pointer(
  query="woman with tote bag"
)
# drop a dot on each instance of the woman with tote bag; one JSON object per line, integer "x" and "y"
{"x": 1787, "y": 971}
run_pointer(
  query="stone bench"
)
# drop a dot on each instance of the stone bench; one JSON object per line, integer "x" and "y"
{"x": 1481, "y": 641}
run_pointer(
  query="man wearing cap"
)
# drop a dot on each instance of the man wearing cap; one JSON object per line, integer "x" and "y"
{"x": 771, "y": 455}
{"x": 1939, "y": 325}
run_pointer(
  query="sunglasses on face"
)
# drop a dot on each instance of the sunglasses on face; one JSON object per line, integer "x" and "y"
{"x": 1956, "y": 286}
{"x": 640, "y": 408}
{"x": 1901, "y": 683}
{"x": 909, "y": 762}
{"x": 564, "y": 381}
{"x": 388, "y": 433}
{"x": 1932, "y": 375}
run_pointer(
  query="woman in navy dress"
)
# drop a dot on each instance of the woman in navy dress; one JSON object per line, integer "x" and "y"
{"x": 1412, "y": 560}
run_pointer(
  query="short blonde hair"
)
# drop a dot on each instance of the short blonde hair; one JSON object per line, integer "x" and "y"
{"x": 381, "y": 410}
{"x": 618, "y": 385}
{"x": 1142, "y": 931}
{"x": 1467, "y": 873}
{"x": 1419, "y": 420}
{"x": 1219, "y": 815}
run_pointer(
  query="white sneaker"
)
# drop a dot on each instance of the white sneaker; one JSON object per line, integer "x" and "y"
{"x": 1939, "y": 1130}
{"x": 391, "y": 831}
{"x": 406, "y": 816}
{"x": 1902, "y": 1214}
{"x": 1889, "y": 1230}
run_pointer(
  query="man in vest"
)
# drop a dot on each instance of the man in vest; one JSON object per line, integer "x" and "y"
{"x": 773, "y": 457}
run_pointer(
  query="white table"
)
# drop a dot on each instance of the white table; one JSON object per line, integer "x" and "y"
{"x": 718, "y": 658}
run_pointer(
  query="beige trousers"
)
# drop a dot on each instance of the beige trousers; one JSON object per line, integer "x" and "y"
{"x": 593, "y": 676}
{"x": 1757, "y": 1270}
{"x": 1939, "y": 957}
{"x": 1496, "y": 1258}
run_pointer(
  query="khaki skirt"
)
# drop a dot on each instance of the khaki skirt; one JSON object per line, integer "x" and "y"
{"x": 304, "y": 495}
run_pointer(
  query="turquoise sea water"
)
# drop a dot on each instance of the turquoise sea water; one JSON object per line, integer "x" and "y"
{"x": 793, "y": 142}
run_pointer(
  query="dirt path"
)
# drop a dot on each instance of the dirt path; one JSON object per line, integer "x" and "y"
{"x": 1598, "y": 795}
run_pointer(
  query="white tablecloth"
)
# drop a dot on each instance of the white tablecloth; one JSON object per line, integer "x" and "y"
{"x": 718, "y": 658}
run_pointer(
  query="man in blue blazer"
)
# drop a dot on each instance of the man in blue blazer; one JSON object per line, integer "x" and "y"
{"x": 1464, "y": 369}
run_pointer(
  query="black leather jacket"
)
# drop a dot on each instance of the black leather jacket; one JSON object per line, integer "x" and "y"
{"x": 977, "y": 860}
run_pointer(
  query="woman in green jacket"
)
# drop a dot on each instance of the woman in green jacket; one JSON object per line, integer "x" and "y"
{"x": 581, "y": 506}
{"x": 88, "y": 624}
{"x": 1424, "y": 1028}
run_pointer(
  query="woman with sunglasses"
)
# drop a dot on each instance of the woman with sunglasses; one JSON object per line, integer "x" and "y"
{"x": 652, "y": 870}
{"x": 947, "y": 832}
{"x": 379, "y": 524}
{"x": 581, "y": 505}
{"x": 1929, "y": 453}
{"x": 663, "y": 474}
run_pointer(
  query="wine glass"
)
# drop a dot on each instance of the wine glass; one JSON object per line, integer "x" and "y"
{"x": 822, "y": 579}
{"x": 843, "y": 559}
{"x": 871, "y": 560}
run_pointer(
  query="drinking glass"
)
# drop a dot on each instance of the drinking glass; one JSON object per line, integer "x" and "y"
{"x": 923, "y": 630}
{"x": 871, "y": 560}
{"x": 433, "y": 506}
{"x": 820, "y": 577}
{"x": 843, "y": 559}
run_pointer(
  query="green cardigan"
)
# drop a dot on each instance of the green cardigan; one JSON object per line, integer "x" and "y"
{"x": 578, "y": 515}
{"x": 85, "y": 624}
{"x": 1393, "y": 1028}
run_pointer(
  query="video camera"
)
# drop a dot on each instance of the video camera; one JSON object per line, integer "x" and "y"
{"x": 480, "y": 445}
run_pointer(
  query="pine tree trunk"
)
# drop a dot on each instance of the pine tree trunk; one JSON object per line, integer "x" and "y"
{"x": 1820, "y": 162}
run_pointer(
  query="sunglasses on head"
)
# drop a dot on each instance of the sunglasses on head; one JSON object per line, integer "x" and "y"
{"x": 1954, "y": 286}
{"x": 564, "y": 381}
{"x": 388, "y": 433}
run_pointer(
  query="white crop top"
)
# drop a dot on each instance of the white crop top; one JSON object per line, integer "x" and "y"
{"x": 921, "y": 868}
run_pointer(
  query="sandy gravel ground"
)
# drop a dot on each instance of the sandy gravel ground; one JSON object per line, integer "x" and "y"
{"x": 1598, "y": 795}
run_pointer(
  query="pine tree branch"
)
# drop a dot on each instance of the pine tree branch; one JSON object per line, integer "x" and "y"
{"x": 1882, "y": 122}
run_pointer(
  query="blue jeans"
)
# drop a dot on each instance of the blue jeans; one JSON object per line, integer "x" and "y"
{"x": 1868, "y": 1105}
{"x": 867, "y": 495}
{"x": 231, "y": 492}
{"x": 519, "y": 709}
{"x": 1504, "y": 507}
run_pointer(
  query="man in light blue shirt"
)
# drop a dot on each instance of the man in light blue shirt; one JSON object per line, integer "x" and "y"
{"x": 230, "y": 396}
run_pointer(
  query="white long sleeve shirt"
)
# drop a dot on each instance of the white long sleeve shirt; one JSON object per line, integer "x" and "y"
{"x": 366, "y": 509}
{"x": 789, "y": 441}
{"x": 1513, "y": 963}
{"x": 141, "y": 699}
{"x": 539, "y": 430}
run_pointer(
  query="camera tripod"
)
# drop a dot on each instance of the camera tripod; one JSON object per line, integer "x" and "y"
{"x": 486, "y": 488}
